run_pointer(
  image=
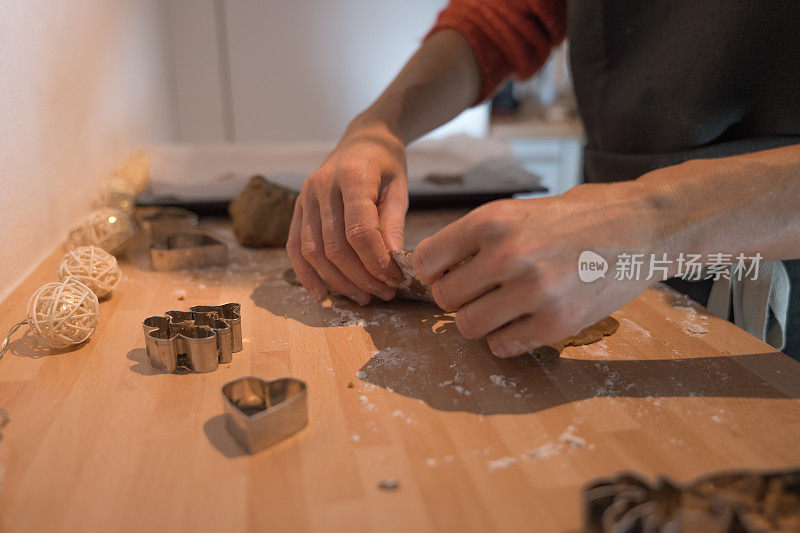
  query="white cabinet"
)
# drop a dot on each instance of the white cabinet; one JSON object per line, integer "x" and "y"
{"x": 289, "y": 71}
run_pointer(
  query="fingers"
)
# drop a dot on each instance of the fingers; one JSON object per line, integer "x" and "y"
{"x": 362, "y": 223}
{"x": 339, "y": 252}
{"x": 305, "y": 273}
{"x": 445, "y": 249}
{"x": 544, "y": 326}
{"x": 465, "y": 282}
{"x": 392, "y": 213}
{"x": 495, "y": 309}
{"x": 515, "y": 339}
{"x": 312, "y": 249}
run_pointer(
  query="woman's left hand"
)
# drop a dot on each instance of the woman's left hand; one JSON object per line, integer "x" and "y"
{"x": 510, "y": 268}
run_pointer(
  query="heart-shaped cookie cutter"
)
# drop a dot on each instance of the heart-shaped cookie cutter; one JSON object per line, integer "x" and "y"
{"x": 180, "y": 251}
{"x": 260, "y": 413}
{"x": 199, "y": 339}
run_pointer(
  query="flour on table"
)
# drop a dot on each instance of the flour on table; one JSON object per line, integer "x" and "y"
{"x": 639, "y": 329}
{"x": 503, "y": 462}
{"x": 498, "y": 381}
{"x": 545, "y": 450}
{"x": 571, "y": 439}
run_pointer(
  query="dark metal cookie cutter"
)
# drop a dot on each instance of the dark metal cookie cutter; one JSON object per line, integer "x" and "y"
{"x": 261, "y": 413}
{"x": 164, "y": 221}
{"x": 188, "y": 250}
{"x": 199, "y": 339}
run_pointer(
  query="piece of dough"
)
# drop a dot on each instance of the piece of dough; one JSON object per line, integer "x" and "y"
{"x": 588, "y": 335}
{"x": 262, "y": 213}
{"x": 411, "y": 288}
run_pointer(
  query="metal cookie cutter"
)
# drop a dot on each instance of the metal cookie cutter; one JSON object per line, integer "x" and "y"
{"x": 164, "y": 221}
{"x": 260, "y": 413}
{"x": 188, "y": 250}
{"x": 199, "y": 339}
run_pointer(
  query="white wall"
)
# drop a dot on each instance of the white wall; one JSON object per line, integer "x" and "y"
{"x": 81, "y": 83}
{"x": 285, "y": 71}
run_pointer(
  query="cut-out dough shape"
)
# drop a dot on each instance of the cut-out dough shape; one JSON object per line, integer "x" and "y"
{"x": 589, "y": 335}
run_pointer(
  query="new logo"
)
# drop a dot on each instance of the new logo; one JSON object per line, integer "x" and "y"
{"x": 591, "y": 266}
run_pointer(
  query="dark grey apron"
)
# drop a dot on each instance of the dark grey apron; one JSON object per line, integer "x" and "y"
{"x": 659, "y": 82}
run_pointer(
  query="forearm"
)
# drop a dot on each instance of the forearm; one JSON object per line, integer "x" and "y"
{"x": 437, "y": 83}
{"x": 743, "y": 204}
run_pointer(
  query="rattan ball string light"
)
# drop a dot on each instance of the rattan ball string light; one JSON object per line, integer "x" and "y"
{"x": 60, "y": 314}
{"x": 92, "y": 266}
{"x": 108, "y": 228}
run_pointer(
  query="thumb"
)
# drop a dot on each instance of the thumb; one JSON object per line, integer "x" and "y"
{"x": 392, "y": 213}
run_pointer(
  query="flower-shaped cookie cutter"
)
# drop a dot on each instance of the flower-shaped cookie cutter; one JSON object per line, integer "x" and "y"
{"x": 198, "y": 339}
{"x": 260, "y": 413}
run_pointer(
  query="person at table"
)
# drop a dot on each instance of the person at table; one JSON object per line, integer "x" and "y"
{"x": 692, "y": 118}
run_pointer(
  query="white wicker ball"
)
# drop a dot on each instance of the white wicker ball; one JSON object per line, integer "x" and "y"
{"x": 63, "y": 314}
{"x": 108, "y": 228}
{"x": 92, "y": 266}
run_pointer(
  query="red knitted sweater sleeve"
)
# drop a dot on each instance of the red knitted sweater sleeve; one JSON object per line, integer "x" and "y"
{"x": 507, "y": 36}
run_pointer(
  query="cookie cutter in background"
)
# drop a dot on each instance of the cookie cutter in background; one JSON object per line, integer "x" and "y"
{"x": 188, "y": 250}
{"x": 199, "y": 339}
{"x": 164, "y": 221}
{"x": 260, "y": 413}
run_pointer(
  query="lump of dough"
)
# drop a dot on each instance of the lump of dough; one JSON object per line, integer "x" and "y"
{"x": 262, "y": 213}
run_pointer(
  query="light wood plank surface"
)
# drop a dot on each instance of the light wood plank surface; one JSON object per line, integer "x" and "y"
{"x": 99, "y": 441}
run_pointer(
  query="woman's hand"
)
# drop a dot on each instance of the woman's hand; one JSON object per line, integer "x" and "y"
{"x": 510, "y": 268}
{"x": 350, "y": 213}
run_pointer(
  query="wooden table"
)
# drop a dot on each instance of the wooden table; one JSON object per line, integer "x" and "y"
{"x": 99, "y": 441}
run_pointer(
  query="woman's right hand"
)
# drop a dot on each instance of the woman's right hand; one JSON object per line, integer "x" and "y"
{"x": 350, "y": 213}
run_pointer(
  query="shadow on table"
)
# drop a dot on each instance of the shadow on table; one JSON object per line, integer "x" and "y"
{"x": 421, "y": 354}
{"x": 221, "y": 439}
{"x": 143, "y": 367}
{"x": 29, "y": 345}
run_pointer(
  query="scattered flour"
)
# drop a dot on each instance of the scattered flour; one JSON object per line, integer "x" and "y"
{"x": 570, "y": 439}
{"x": 498, "y": 381}
{"x": 349, "y": 318}
{"x": 643, "y": 332}
{"x": 693, "y": 324}
{"x": 693, "y": 329}
{"x": 431, "y": 462}
{"x": 503, "y": 462}
{"x": 397, "y": 414}
{"x": 545, "y": 450}
{"x": 355, "y": 437}
{"x": 365, "y": 403}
